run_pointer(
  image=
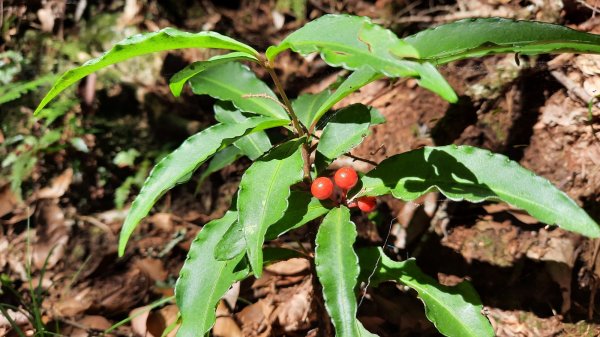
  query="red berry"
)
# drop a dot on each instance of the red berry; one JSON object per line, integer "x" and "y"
{"x": 322, "y": 188}
{"x": 346, "y": 178}
{"x": 352, "y": 204}
{"x": 367, "y": 204}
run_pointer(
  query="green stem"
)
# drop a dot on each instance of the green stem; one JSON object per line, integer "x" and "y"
{"x": 299, "y": 129}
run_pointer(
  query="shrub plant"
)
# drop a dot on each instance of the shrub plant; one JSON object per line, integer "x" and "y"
{"x": 274, "y": 194}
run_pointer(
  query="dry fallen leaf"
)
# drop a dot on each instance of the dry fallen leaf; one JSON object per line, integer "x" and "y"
{"x": 154, "y": 268}
{"x": 225, "y": 326}
{"x": 153, "y": 323}
{"x": 52, "y": 236}
{"x": 58, "y": 186}
{"x": 8, "y": 200}
{"x": 91, "y": 322}
{"x": 292, "y": 314}
{"x": 289, "y": 267}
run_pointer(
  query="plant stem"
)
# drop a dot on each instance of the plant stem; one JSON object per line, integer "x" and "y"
{"x": 300, "y": 130}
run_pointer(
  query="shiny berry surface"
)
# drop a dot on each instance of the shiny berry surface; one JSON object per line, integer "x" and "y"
{"x": 322, "y": 188}
{"x": 345, "y": 178}
{"x": 367, "y": 204}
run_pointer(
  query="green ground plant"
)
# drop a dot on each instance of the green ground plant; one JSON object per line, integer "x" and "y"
{"x": 277, "y": 193}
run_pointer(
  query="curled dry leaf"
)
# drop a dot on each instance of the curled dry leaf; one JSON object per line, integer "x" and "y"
{"x": 292, "y": 314}
{"x": 289, "y": 267}
{"x": 8, "y": 200}
{"x": 51, "y": 236}
{"x": 154, "y": 268}
{"x": 225, "y": 326}
{"x": 153, "y": 323}
{"x": 58, "y": 186}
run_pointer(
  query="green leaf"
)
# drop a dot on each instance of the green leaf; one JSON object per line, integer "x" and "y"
{"x": 465, "y": 172}
{"x": 253, "y": 145}
{"x": 353, "y": 42}
{"x": 482, "y": 36}
{"x": 350, "y": 42}
{"x": 376, "y": 116}
{"x": 219, "y": 161}
{"x": 235, "y": 82}
{"x": 141, "y": 44}
{"x": 302, "y": 208}
{"x": 455, "y": 311}
{"x": 180, "y": 164}
{"x": 232, "y": 244}
{"x": 338, "y": 270}
{"x": 347, "y": 129}
{"x": 306, "y": 106}
{"x": 180, "y": 78}
{"x": 355, "y": 81}
{"x": 430, "y": 78}
{"x": 13, "y": 91}
{"x": 203, "y": 280}
{"x": 263, "y": 194}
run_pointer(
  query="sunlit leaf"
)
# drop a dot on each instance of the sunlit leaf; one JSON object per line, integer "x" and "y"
{"x": 141, "y": 44}
{"x": 482, "y": 36}
{"x": 338, "y": 270}
{"x": 472, "y": 174}
{"x": 353, "y": 42}
{"x": 236, "y": 83}
{"x": 252, "y": 145}
{"x": 203, "y": 280}
{"x": 181, "y": 163}
{"x": 263, "y": 194}
{"x": 455, "y": 311}
{"x": 346, "y": 129}
{"x": 178, "y": 80}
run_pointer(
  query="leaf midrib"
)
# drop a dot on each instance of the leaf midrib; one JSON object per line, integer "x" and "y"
{"x": 342, "y": 271}
{"x": 442, "y": 304}
{"x": 344, "y": 49}
{"x": 497, "y": 191}
{"x": 241, "y": 93}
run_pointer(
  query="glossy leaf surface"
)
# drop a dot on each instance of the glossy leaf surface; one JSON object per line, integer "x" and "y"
{"x": 306, "y": 106}
{"x": 350, "y": 42}
{"x": 455, "y": 311}
{"x": 252, "y": 145}
{"x": 263, "y": 195}
{"x": 353, "y": 42}
{"x": 472, "y": 174}
{"x": 302, "y": 208}
{"x": 338, "y": 270}
{"x": 482, "y": 36}
{"x": 355, "y": 81}
{"x": 232, "y": 244}
{"x": 346, "y": 129}
{"x": 178, "y": 80}
{"x": 220, "y": 160}
{"x": 203, "y": 280}
{"x": 236, "y": 83}
{"x": 141, "y": 44}
{"x": 179, "y": 165}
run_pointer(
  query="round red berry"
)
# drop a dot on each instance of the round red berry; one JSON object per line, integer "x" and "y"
{"x": 322, "y": 188}
{"x": 367, "y": 204}
{"x": 346, "y": 178}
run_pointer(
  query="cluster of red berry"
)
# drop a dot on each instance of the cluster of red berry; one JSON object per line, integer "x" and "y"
{"x": 345, "y": 178}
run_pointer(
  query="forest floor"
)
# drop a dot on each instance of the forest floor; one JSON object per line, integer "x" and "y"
{"x": 66, "y": 184}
